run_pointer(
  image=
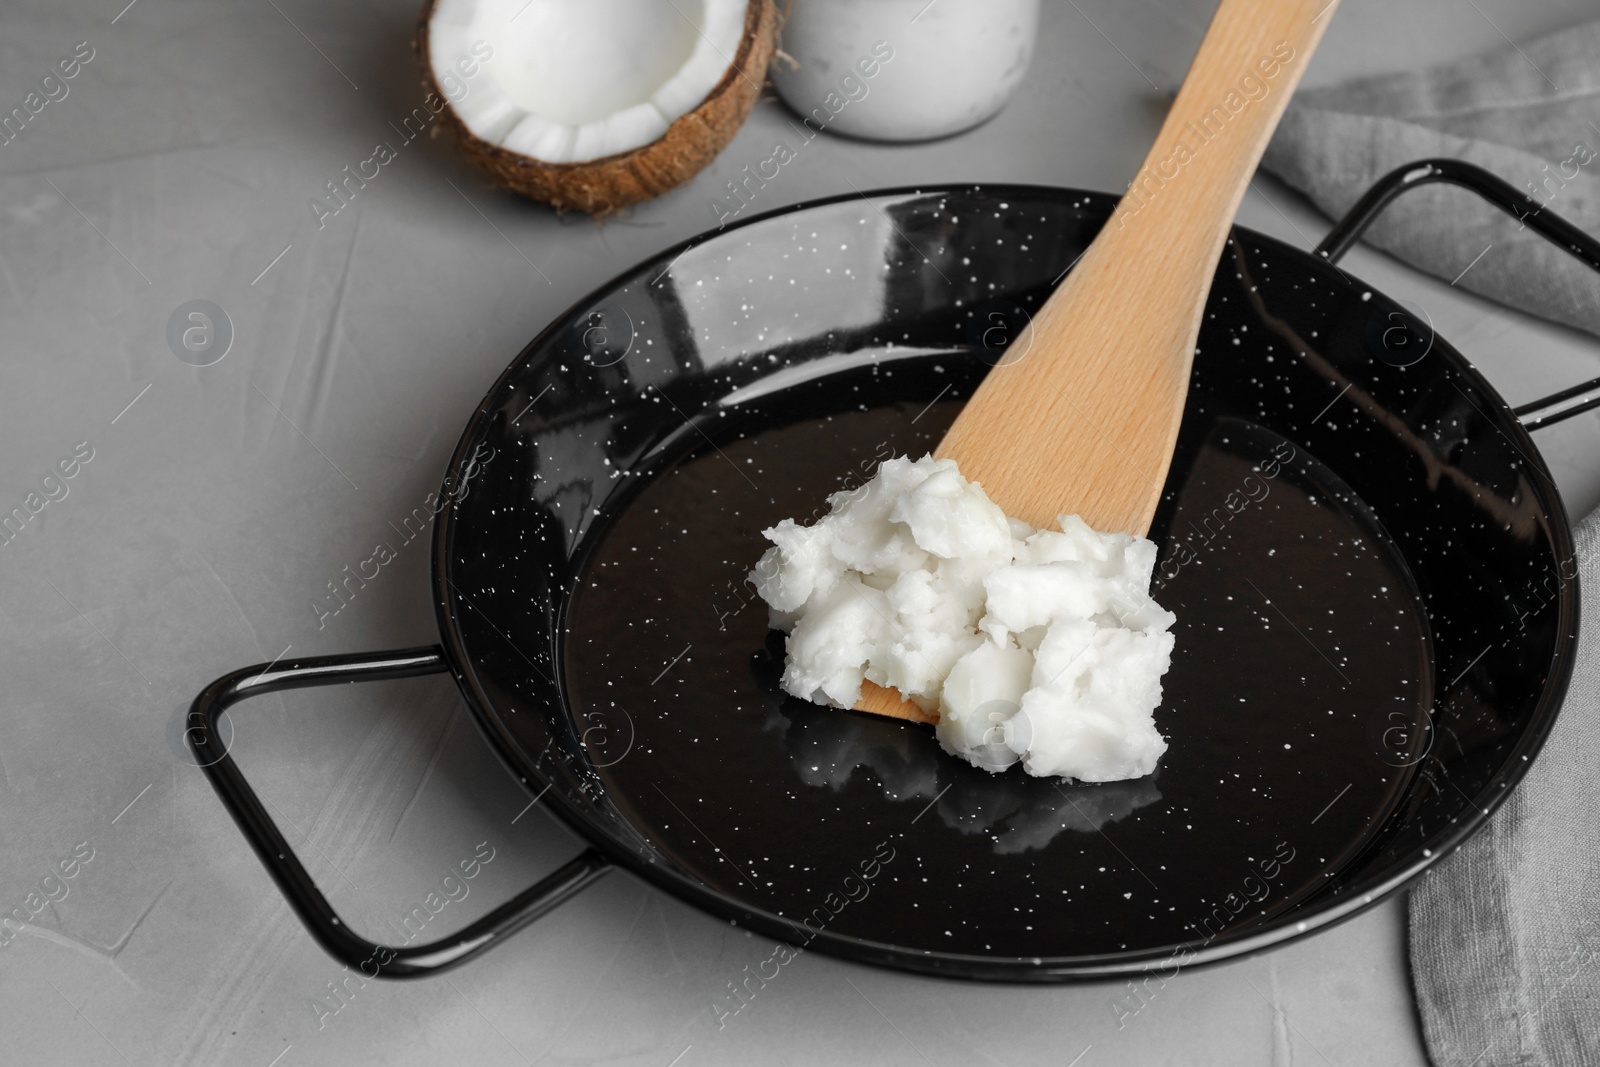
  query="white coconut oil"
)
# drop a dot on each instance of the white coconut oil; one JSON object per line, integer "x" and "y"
{"x": 1038, "y": 646}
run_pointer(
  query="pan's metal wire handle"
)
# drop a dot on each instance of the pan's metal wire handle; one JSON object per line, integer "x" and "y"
{"x": 371, "y": 959}
{"x": 1511, "y": 200}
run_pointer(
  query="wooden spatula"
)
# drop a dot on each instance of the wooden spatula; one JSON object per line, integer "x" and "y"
{"x": 1083, "y": 418}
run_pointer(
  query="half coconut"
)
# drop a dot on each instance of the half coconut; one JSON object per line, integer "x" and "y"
{"x": 595, "y": 104}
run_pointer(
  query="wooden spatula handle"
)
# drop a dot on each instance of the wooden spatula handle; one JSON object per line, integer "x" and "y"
{"x": 1085, "y": 416}
{"x": 1082, "y": 415}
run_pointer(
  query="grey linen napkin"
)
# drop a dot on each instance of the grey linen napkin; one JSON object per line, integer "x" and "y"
{"x": 1505, "y": 942}
{"x": 1505, "y": 933}
{"x": 1529, "y": 113}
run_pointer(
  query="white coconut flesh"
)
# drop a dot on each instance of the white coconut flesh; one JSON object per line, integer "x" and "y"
{"x": 571, "y": 81}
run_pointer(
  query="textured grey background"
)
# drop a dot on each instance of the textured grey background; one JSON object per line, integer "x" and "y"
{"x": 179, "y": 167}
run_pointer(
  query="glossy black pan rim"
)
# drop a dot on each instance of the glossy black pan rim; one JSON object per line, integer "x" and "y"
{"x": 1320, "y": 914}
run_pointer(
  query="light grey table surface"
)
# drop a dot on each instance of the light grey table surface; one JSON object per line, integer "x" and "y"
{"x": 220, "y": 500}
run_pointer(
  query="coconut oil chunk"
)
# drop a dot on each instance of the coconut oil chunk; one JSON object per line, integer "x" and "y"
{"x": 1036, "y": 646}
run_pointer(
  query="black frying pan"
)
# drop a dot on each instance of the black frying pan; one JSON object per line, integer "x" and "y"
{"x": 1371, "y": 568}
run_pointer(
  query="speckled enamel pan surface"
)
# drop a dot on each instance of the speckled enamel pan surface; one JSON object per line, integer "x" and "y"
{"x": 1367, "y": 558}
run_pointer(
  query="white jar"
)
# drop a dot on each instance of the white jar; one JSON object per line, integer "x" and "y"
{"x": 903, "y": 70}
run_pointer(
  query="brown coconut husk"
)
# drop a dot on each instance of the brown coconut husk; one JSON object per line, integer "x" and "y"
{"x": 602, "y": 186}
